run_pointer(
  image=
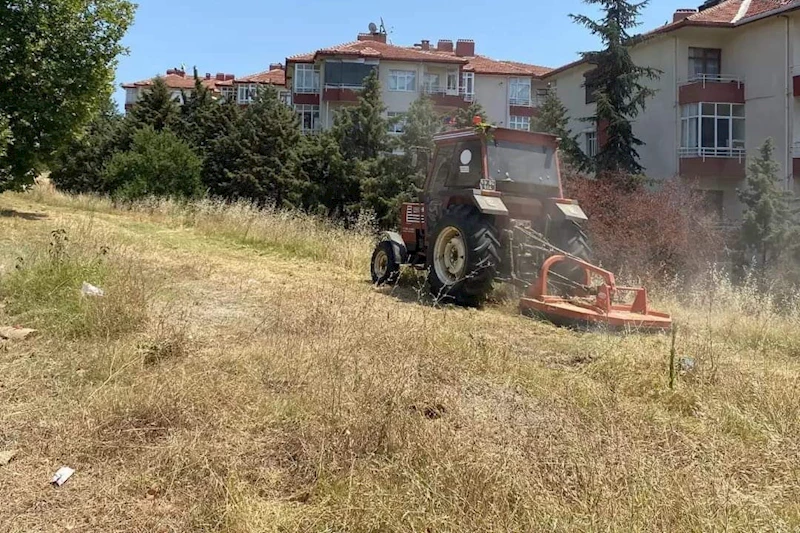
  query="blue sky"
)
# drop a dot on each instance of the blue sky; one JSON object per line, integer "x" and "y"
{"x": 245, "y": 36}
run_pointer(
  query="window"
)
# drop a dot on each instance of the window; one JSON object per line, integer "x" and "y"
{"x": 347, "y": 74}
{"x": 177, "y": 96}
{"x": 452, "y": 83}
{"x": 590, "y": 143}
{"x": 468, "y": 85}
{"x": 705, "y": 61}
{"x": 519, "y": 91}
{"x": 442, "y": 165}
{"x": 396, "y": 122}
{"x": 402, "y": 80}
{"x": 246, "y": 93}
{"x": 306, "y": 78}
{"x": 309, "y": 117}
{"x": 590, "y": 84}
{"x": 131, "y": 95}
{"x": 519, "y": 123}
{"x": 468, "y": 169}
{"x": 712, "y": 130}
{"x": 228, "y": 93}
{"x": 285, "y": 97}
{"x": 430, "y": 83}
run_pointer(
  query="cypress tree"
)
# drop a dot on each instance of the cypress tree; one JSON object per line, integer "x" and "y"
{"x": 618, "y": 88}
{"x": 465, "y": 116}
{"x": 362, "y": 130}
{"x": 769, "y": 223}
{"x": 156, "y": 108}
{"x": 553, "y": 119}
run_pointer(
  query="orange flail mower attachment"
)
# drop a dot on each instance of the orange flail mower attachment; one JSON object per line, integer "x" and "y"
{"x": 583, "y": 311}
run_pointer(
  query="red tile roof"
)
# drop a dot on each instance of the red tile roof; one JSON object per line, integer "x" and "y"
{"x": 369, "y": 49}
{"x": 275, "y": 76}
{"x": 176, "y": 81}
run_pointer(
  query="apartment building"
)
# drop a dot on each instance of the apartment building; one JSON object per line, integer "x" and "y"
{"x": 452, "y": 74}
{"x": 179, "y": 83}
{"x": 730, "y": 79}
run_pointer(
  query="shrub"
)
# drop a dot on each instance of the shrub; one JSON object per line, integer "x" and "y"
{"x": 648, "y": 233}
{"x": 158, "y": 164}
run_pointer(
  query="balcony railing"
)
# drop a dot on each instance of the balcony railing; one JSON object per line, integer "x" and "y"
{"x": 704, "y": 153}
{"x": 712, "y": 78}
{"x": 306, "y": 90}
{"x": 530, "y": 101}
{"x": 468, "y": 97}
{"x": 346, "y": 86}
{"x": 437, "y": 89}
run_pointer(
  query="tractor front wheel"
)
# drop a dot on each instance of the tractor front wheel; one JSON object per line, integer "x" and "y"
{"x": 463, "y": 255}
{"x": 384, "y": 268}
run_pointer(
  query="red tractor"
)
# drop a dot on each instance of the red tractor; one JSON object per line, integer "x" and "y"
{"x": 493, "y": 209}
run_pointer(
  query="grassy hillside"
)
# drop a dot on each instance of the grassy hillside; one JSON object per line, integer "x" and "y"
{"x": 242, "y": 375}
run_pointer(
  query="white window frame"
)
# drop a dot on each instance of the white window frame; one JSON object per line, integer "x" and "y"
{"x": 399, "y": 126}
{"x": 468, "y": 86}
{"x": 403, "y": 81}
{"x": 519, "y": 91}
{"x": 246, "y": 92}
{"x": 693, "y": 117}
{"x": 131, "y": 95}
{"x": 519, "y": 122}
{"x": 451, "y": 82}
{"x": 590, "y": 146}
{"x": 302, "y": 110}
{"x": 306, "y": 78}
{"x": 228, "y": 93}
{"x": 285, "y": 97}
{"x": 431, "y": 83}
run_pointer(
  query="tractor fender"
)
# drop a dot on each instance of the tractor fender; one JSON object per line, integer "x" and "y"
{"x": 399, "y": 248}
{"x": 567, "y": 210}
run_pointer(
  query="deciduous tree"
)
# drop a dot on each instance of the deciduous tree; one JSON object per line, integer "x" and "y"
{"x": 58, "y": 59}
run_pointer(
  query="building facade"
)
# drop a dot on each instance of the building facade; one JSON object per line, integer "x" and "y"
{"x": 179, "y": 83}
{"x": 730, "y": 78}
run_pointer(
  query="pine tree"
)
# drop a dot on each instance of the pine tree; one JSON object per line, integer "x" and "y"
{"x": 333, "y": 188}
{"x": 362, "y": 130}
{"x": 769, "y": 223}
{"x": 196, "y": 123}
{"x": 156, "y": 108}
{"x": 553, "y": 119}
{"x": 260, "y": 158}
{"x": 465, "y": 116}
{"x": 619, "y": 90}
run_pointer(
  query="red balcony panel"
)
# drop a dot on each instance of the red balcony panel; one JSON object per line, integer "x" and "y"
{"x": 796, "y": 167}
{"x": 712, "y": 91}
{"x": 305, "y": 98}
{"x": 448, "y": 100}
{"x": 522, "y": 111}
{"x": 796, "y": 84}
{"x": 338, "y": 94}
{"x": 713, "y": 167}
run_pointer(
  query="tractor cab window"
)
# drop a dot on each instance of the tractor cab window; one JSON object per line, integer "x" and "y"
{"x": 531, "y": 164}
{"x": 466, "y": 172}
{"x": 441, "y": 166}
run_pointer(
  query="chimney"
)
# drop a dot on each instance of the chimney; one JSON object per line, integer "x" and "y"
{"x": 171, "y": 71}
{"x": 465, "y": 48}
{"x": 229, "y": 77}
{"x": 682, "y": 14}
{"x": 426, "y": 45}
{"x": 208, "y": 75}
{"x": 220, "y": 76}
{"x": 444, "y": 45}
{"x": 377, "y": 37}
{"x": 276, "y": 66}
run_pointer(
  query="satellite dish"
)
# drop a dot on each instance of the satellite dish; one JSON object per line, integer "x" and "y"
{"x": 373, "y": 28}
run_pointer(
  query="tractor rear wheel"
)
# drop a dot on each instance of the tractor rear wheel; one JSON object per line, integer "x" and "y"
{"x": 571, "y": 238}
{"x": 463, "y": 255}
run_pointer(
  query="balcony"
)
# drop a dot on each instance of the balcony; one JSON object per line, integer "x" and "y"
{"x": 712, "y": 163}
{"x": 711, "y": 88}
{"x": 525, "y": 106}
{"x": 447, "y": 97}
{"x": 341, "y": 92}
{"x": 305, "y": 95}
{"x": 796, "y": 159}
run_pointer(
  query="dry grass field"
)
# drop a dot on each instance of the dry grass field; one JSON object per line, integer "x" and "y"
{"x": 242, "y": 375}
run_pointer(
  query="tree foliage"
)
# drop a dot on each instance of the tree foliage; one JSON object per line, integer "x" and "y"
{"x": 259, "y": 158}
{"x": 156, "y": 108}
{"x": 333, "y": 187}
{"x": 362, "y": 130}
{"x": 553, "y": 119}
{"x": 79, "y": 168}
{"x": 618, "y": 87}
{"x": 769, "y": 223}
{"x": 465, "y": 116}
{"x": 58, "y": 61}
{"x": 157, "y": 164}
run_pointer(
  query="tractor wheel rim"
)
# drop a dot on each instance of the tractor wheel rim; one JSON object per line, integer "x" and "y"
{"x": 449, "y": 256}
{"x": 380, "y": 264}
